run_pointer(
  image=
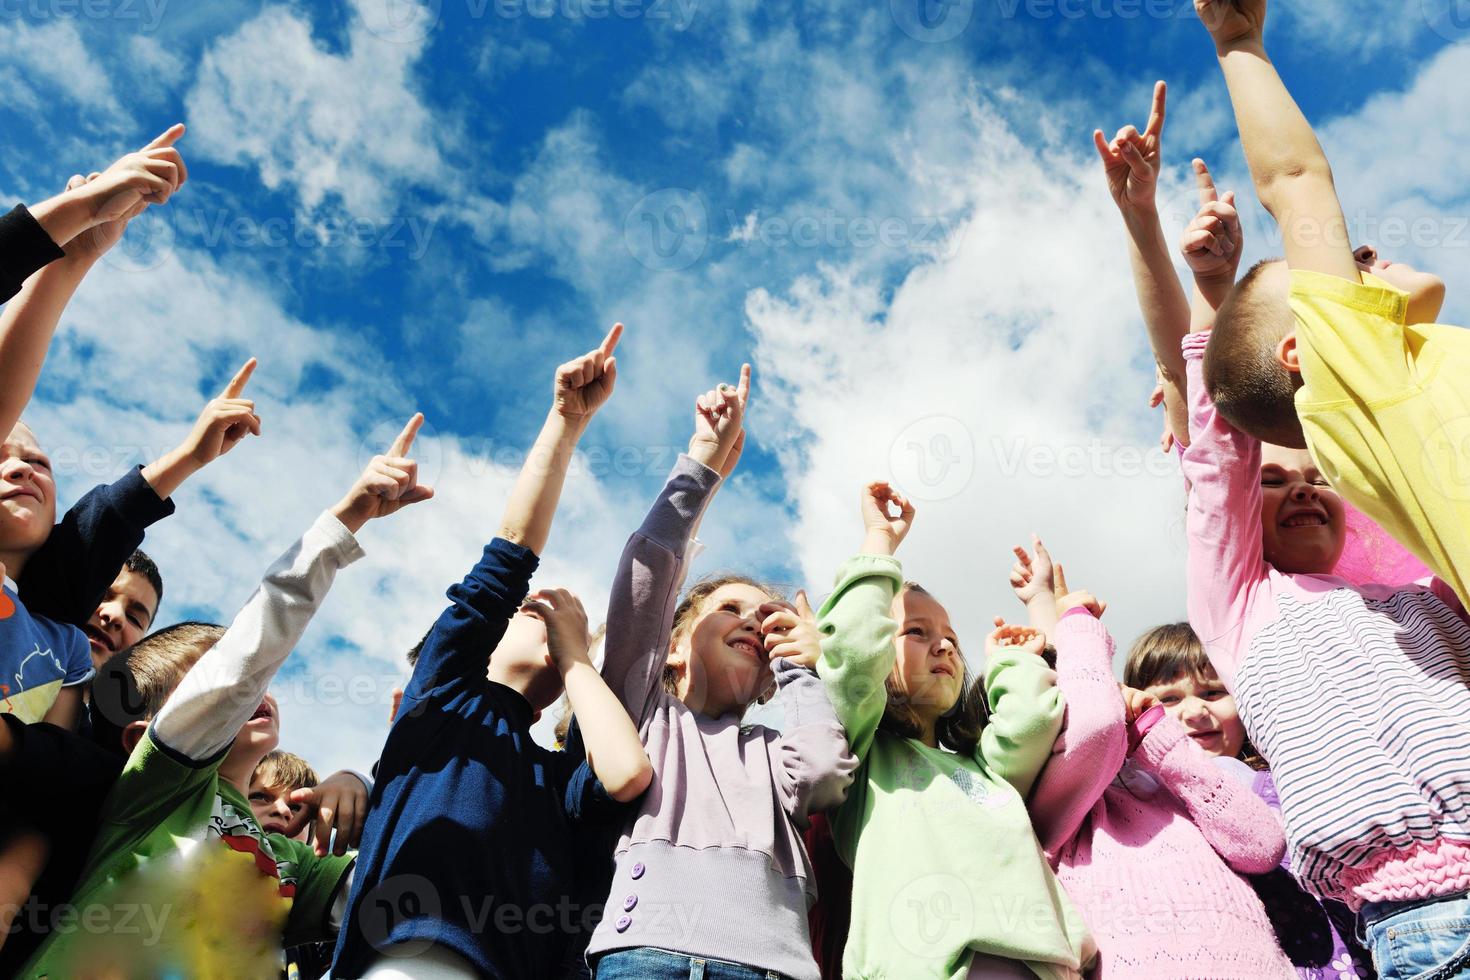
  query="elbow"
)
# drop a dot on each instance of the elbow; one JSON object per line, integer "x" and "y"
{"x": 1261, "y": 859}
{"x": 1279, "y": 186}
{"x": 627, "y": 787}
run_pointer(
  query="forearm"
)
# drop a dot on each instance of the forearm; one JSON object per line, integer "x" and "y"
{"x": 619, "y": 760}
{"x": 1161, "y": 298}
{"x": 167, "y": 473}
{"x": 537, "y": 491}
{"x": 27, "y": 324}
{"x": 1041, "y": 614}
{"x": 66, "y": 710}
{"x": 64, "y": 216}
{"x": 1291, "y": 174}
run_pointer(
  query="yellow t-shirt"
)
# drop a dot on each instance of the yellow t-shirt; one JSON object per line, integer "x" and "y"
{"x": 1386, "y": 411}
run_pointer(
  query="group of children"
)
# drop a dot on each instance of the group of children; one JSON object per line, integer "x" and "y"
{"x": 1278, "y": 787}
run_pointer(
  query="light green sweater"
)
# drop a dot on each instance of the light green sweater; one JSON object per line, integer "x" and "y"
{"x": 945, "y": 863}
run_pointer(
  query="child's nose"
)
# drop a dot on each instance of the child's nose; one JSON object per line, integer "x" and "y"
{"x": 1366, "y": 254}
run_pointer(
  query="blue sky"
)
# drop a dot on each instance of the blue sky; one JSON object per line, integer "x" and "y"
{"x": 891, "y": 208}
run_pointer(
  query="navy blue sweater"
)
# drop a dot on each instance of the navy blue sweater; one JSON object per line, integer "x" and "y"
{"x": 471, "y": 842}
{"x": 24, "y": 248}
{"x": 67, "y": 578}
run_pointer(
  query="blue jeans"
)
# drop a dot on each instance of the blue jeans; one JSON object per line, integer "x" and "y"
{"x": 1427, "y": 940}
{"x": 659, "y": 964}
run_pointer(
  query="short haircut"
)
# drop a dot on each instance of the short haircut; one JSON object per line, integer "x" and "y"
{"x": 134, "y": 683}
{"x": 140, "y": 564}
{"x": 282, "y": 770}
{"x": 1249, "y": 386}
{"x": 958, "y": 729}
{"x": 1166, "y": 653}
{"x": 413, "y": 652}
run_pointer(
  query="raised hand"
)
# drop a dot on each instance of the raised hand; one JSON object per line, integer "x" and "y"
{"x": 1132, "y": 160}
{"x": 389, "y": 483}
{"x": 1031, "y": 577}
{"x": 719, "y": 425}
{"x": 584, "y": 385}
{"x": 1006, "y": 635}
{"x": 1232, "y": 22}
{"x": 224, "y": 422}
{"x": 1068, "y": 600}
{"x": 790, "y": 631}
{"x": 884, "y": 529}
{"x": 1136, "y": 702}
{"x": 566, "y": 624}
{"x": 1213, "y": 242}
{"x": 338, "y": 803}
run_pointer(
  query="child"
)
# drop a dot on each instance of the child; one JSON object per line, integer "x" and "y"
{"x": 189, "y": 767}
{"x": 100, "y": 207}
{"x": 1169, "y": 665}
{"x": 63, "y": 814}
{"x": 272, "y": 784}
{"x": 127, "y": 609}
{"x": 1352, "y": 692}
{"x": 64, "y": 570}
{"x": 729, "y": 801}
{"x": 471, "y": 821}
{"x": 1336, "y": 349}
{"x": 948, "y": 878}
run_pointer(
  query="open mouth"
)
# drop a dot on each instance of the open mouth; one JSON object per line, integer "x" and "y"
{"x": 944, "y": 669}
{"x": 1306, "y": 519}
{"x": 263, "y": 713}
{"x": 1204, "y": 736}
{"x": 273, "y": 827}
{"x": 747, "y": 646}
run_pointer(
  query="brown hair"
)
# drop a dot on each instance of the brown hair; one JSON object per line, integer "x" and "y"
{"x": 691, "y": 607}
{"x": 134, "y": 683}
{"x": 1166, "y": 653}
{"x": 1249, "y": 386}
{"x": 959, "y": 728}
{"x": 282, "y": 770}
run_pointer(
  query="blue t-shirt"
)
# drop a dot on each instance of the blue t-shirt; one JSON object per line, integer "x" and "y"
{"x": 472, "y": 838}
{"x": 38, "y": 657}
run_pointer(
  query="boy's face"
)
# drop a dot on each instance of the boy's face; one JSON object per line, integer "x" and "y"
{"x": 27, "y": 492}
{"x": 523, "y": 661}
{"x": 273, "y": 809}
{"x": 1425, "y": 289}
{"x": 1303, "y": 527}
{"x": 124, "y": 616}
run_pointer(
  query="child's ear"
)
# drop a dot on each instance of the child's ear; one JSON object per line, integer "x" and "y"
{"x": 132, "y": 734}
{"x": 1286, "y": 354}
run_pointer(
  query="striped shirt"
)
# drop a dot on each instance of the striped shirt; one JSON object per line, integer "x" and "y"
{"x": 1358, "y": 697}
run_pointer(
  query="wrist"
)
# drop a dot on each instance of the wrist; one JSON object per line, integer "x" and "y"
{"x": 1253, "y": 44}
{"x": 879, "y": 543}
{"x": 63, "y": 217}
{"x": 351, "y": 513}
{"x": 571, "y": 425}
{"x": 705, "y": 452}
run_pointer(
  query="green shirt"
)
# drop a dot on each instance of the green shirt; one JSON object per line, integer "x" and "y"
{"x": 945, "y": 862}
{"x": 151, "y": 902}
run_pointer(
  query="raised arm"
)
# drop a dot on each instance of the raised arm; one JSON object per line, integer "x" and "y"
{"x": 651, "y": 571}
{"x": 483, "y": 603}
{"x": 614, "y": 749}
{"x": 224, "y": 688}
{"x": 1292, "y": 177}
{"x": 1094, "y": 740}
{"x": 85, "y": 220}
{"x": 1237, "y": 823}
{"x": 1026, "y": 707}
{"x": 1132, "y": 163}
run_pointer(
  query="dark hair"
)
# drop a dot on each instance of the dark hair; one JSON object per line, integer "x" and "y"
{"x": 133, "y": 684}
{"x": 1250, "y": 388}
{"x": 140, "y": 564}
{"x": 413, "y": 653}
{"x": 1169, "y": 652}
{"x": 959, "y": 728}
{"x": 692, "y": 605}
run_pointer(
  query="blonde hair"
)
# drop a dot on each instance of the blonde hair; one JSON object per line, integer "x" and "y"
{"x": 1251, "y": 389}
{"x": 285, "y": 771}
{"x": 691, "y": 607}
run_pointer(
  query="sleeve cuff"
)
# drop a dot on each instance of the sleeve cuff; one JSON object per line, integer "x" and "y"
{"x": 337, "y": 538}
{"x": 1162, "y": 735}
{"x": 1076, "y": 611}
{"x": 1373, "y": 295}
{"x": 139, "y": 502}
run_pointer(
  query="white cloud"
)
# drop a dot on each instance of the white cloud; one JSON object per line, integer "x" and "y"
{"x": 53, "y": 55}
{"x": 348, "y": 127}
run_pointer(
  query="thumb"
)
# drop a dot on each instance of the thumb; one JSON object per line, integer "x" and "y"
{"x": 307, "y": 798}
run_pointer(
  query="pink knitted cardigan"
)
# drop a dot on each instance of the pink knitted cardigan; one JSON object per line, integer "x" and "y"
{"x": 1149, "y": 847}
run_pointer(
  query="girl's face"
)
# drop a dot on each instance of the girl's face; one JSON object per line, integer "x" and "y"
{"x": 1206, "y": 709}
{"x": 929, "y": 669}
{"x": 721, "y": 658}
{"x": 1303, "y": 526}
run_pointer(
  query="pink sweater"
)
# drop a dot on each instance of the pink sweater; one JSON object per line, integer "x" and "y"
{"x": 1149, "y": 847}
{"x": 1358, "y": 695}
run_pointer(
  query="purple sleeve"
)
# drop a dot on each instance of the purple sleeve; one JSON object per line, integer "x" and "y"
{"x": 814, "y": 765}
{"x": 645, "y": 591}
